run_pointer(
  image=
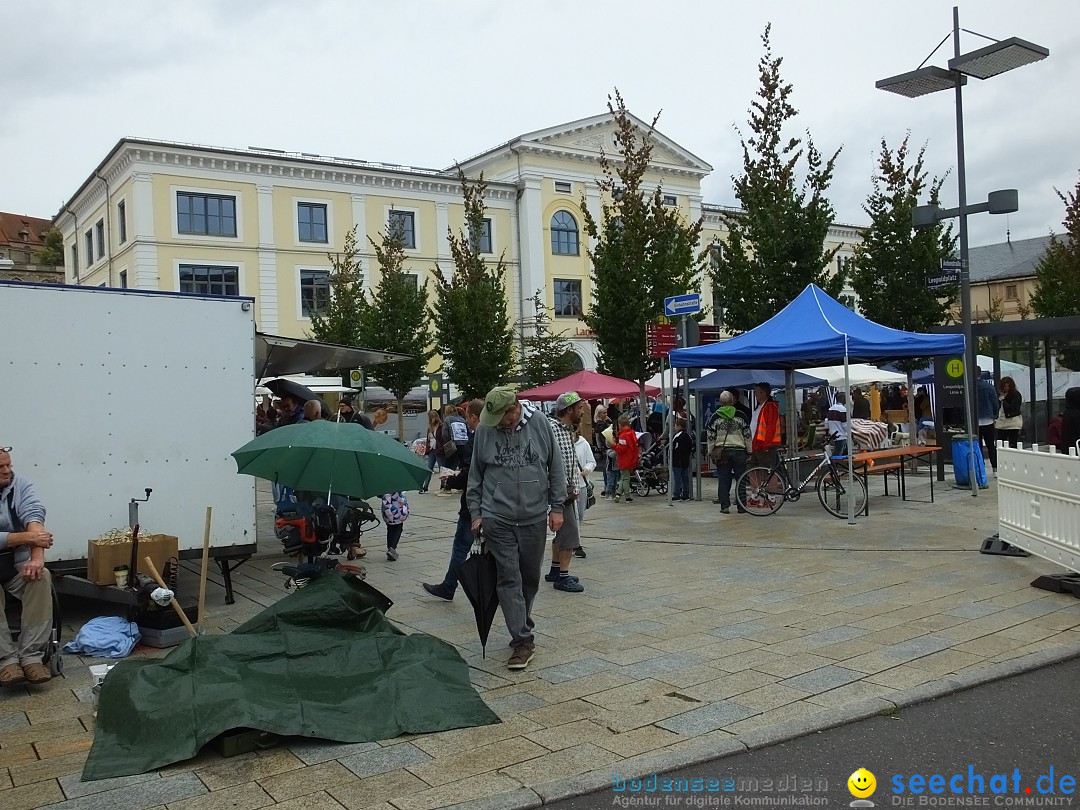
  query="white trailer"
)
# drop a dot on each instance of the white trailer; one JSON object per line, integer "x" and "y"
{"x": 109, "y": 392}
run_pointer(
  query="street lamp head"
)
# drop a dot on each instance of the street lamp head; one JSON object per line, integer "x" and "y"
{"x": 998, "y": 58}
{"x": 1005, "y": 201}
{"x": 921, "y": 82}
{"x": 925, "y": 216}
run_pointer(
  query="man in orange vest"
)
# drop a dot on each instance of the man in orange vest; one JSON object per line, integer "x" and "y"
{"x": 765, "y": 429}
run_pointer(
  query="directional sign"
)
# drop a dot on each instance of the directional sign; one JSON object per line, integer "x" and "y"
{"x": 659, "y": 338}
{"x": 948, "y": 277}
{"x": 687, "y": 304}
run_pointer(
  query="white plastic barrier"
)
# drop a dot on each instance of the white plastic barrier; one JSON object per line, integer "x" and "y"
{"x": 1039, "y": 503}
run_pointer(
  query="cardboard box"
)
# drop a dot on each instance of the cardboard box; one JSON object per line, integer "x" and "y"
{"x": 102, "y": 558}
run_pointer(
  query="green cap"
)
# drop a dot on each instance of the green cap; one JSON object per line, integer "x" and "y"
{"x": 566, "y": 400}
{"x": 499, "y": 400}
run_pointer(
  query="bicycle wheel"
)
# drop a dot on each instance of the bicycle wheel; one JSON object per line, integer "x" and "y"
{"x": 766, "y": 497}
{"x": 835, "y": 490}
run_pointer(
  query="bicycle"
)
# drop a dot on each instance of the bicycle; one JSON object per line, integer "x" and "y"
{"x": 774, "y": 487}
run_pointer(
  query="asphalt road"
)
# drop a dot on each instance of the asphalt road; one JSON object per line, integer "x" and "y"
{"x": 1029, "y": 723}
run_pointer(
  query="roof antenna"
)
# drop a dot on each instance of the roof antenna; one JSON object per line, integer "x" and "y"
{"x": 1008, "y": 233}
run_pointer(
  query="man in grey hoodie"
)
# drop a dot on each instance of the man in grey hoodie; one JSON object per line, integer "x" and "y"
{"x": 516, "y": 484}
{"x": 23, "y": 540}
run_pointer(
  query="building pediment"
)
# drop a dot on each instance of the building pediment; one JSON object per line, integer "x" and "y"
{"x": 588, "y": 138}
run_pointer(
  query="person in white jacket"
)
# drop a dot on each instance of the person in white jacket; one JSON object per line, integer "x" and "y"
{"x": 587, "y": 463}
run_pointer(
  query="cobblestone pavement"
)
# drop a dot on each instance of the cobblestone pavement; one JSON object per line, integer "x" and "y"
{"x": 697, "y": 634}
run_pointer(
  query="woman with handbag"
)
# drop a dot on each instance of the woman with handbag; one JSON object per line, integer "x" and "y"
{"x": 1009, "y": 421}
{"x": 434, "y": 428}
{"x": 586, "y": 460}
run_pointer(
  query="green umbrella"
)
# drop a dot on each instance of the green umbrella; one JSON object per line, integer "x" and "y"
{"x": 338, "y": 457}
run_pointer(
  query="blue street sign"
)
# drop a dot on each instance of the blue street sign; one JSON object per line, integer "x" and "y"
{"x": 687, "y": 304}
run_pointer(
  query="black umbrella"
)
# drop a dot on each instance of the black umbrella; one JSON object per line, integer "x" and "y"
{"x": 478, "y": 577}
{"x": 282, "y": 387}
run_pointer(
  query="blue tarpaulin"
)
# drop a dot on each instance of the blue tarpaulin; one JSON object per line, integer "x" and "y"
{"x": 815, "y": 330}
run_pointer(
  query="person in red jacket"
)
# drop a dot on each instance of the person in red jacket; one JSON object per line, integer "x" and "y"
{"x": 626, "y": 455}
{"x": 764, "y": 429}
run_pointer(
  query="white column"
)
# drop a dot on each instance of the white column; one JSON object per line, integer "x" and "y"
{"x": 145, "y": 274}
{"x": 267, "y": 293}
{"x": 531, "y": 226}
{"x": 442, "y": 239}
{"x": 513, "y": 287}
{"x": 592, "y": 203}
{"x": 359, "y": 218}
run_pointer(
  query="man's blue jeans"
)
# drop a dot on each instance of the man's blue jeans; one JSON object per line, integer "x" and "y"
{"x": 463, "y": 540}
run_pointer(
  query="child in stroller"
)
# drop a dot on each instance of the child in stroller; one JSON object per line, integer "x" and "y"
{"x": 308, "y": 527}
{"x": 651, "y": 472}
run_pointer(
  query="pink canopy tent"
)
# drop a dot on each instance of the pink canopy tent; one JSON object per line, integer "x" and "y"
{"x": 589, "y": 385}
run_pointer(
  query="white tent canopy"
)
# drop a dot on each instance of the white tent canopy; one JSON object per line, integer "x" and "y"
{"x": 861, "y": 374}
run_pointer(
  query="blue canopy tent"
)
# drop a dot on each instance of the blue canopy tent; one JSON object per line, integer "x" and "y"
{"x": 747, "y": 378}
{"x": 815, "y": 330}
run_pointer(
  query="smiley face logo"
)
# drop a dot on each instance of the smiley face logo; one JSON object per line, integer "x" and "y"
{"x": 862, "y": 783}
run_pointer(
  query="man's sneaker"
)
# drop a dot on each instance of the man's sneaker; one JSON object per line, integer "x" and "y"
{"x": 445, "y": 492}
{"x": 36, "y": 673}
{"x": 521, "y": 656}
{"x": 628, "y": 499}
{"x": 11, "y": 674}
{"x": 391, "y": 554}
{"x": 579, "y": 552}
{"x": 440, "y": 591}
{"x": 569, "y": 584}
{"x": 617, "y": 498}
{"x": 725, "y": 510}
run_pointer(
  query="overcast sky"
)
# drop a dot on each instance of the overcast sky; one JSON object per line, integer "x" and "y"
{"x": 428, "y": 83}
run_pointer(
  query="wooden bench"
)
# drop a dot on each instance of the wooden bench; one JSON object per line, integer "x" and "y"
{"x": 892, "y": 468}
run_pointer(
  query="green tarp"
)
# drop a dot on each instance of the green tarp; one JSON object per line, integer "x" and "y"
{"x": 323, "y": 662}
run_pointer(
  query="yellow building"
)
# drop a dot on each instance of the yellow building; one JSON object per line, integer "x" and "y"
{"x": 1003, "y": 279}
{"x": 168, "y": 216}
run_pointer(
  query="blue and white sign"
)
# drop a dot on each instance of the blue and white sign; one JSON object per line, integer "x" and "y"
{"x": 688, "y": 304}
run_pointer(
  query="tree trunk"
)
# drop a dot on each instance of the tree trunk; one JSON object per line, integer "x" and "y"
{"x": 401, "y": 420}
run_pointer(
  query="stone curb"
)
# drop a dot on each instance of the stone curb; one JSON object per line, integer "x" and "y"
{"x": 705, "y": 751}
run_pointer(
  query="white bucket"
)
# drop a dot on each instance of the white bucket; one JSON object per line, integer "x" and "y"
{"x": 98, "y": 673}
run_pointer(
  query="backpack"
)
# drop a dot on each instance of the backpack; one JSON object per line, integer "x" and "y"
{"x": 395, "y": 508}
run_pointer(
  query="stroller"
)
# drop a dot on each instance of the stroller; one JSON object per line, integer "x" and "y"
{"x": 651, "y": 472}
{"x": 312, "y": 530}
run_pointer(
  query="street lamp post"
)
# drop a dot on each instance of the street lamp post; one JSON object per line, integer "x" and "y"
{"x": 999, "y": 57}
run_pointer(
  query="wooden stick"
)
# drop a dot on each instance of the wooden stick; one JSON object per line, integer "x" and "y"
{"x": 205, "y": 563}
{"x": 179, "y": 610}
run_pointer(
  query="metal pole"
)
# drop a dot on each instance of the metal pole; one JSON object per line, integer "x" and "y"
{"x": 965, "y": 269}
{"x": 850, "y": 438}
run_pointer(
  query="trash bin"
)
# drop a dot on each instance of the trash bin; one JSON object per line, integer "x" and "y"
{"x": 961, "y": 455}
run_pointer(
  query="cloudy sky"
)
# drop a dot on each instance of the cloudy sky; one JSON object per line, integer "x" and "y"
{"x": 426, "y": 83}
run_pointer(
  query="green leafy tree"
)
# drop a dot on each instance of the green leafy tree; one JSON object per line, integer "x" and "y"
{"x": 1057, "y": 276}
{"x": 776, "y": 243}
{"x": 397, "y": 319}
{"x": 547, "y": 355}
{"x": 891, "y": 267}
{"x": 642, "y": 252}
{"x": 472, "y": 326}
{"x": 51, "y": 253}
{"x": 338, "y": 319}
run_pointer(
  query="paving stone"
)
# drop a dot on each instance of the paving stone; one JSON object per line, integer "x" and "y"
{"x": 566, "y": 735}
{"x": 138, "y": 795}
{"x": 312, "y": 752}
{"x": 255, "y": 768}
{"x": 658, "y": 667}
{"x": 770, "y": 697}
{"x": 370, "y": 763}
{"x": 446, "y": 743}
{"x": 558, "y": 714}
{"x": 792, "y": 665}
{"x": 365, "y": 793}
{"x": 12, "y": 721}
{"x": 639, "y": 741}
{"x": 29, "y": 797}
{"x": 17, "y": 754}
{"x": 631, "y": 694}
{"x": 248, "y": 796}
{"x": 312, "y": 801}
{"x": 294, "y": 783}
{"x": 514, "y": 704}
{"x": 901, "y": 677}
{"x": 75, "y": 788}
{"x": 574, "y": 669}
{"x": 48, "y": 768}
{"x": 577, "y": 688}
{"x": 42, "y": 731}
{"x": 561, "y": 764}
{"x": 774, "y": 719}
{"x": 821, "y": 680}
{"x": 59, "y": 746}
{"x": 707, "y": 718}
{"x": 730, "y": 685}
{"x": 465, "y": 791}
{"x": 477, "y": 761}
{"x": 851, "y": 693}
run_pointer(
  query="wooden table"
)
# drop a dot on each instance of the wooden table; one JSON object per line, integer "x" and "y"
{"x": 868, "y": 458}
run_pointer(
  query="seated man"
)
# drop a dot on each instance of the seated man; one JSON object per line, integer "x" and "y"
{"x": 23, "y": 540}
